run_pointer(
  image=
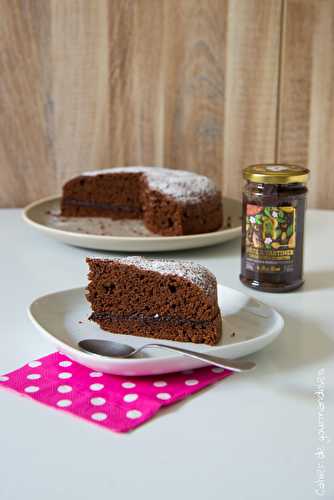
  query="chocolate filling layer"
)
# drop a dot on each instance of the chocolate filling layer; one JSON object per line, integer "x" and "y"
{"x": 148, "y": 319}
{"x": 103, "y": 206}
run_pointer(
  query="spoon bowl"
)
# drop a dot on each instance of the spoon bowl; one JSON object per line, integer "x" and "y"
{"x": 107, "y": 348}
{"x": 114, "y": 349}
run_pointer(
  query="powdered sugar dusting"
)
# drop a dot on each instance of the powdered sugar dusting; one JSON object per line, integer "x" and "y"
{"x": 119, "y": 170}
{"x": 181, "y": 185}
{"x": 191, "y": 271}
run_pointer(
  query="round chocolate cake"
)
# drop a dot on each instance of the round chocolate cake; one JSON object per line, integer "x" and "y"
{"x": 163, "y": 299}
{"x": 171, "y": 202}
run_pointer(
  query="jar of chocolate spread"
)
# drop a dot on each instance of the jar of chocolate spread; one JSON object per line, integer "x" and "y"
{"x": 274, "y": 202}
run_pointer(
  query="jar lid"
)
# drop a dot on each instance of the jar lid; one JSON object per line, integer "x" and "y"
{"x": 276, "y": 173}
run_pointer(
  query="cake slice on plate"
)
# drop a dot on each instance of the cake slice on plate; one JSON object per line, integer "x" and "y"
{"x": 163, "y": 299}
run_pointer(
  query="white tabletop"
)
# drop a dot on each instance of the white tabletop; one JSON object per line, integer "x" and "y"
{"x": 250, "y": 436}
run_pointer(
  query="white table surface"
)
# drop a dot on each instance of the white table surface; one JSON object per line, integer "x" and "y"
{"x": 250, "y": 436}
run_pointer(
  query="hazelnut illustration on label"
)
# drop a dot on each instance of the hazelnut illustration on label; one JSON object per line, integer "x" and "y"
{"x": 270, "y": 238}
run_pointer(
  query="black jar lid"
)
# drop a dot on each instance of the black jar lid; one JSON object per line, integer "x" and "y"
{"x": 276, "y": 173}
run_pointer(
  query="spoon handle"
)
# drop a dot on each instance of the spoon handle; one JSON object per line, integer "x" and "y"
{"x": 235, "y": 365}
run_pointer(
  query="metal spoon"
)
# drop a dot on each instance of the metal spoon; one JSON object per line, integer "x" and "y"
{"x": 117, "y": 350}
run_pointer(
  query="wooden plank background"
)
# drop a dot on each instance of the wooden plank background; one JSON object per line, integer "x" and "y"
{"x": 205, "y": 85}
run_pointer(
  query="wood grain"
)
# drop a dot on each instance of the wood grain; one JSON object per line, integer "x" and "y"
{"x": 251, "y": 87}
{"x": 26, "y": 156}
{"x": 136, "y": 95}
{"x": 205, "y": 85}
{"x": 306, "y": 114}
{"x": 195, "y": 55}
{"x": 167, "y": 83}
{"x": 79, "y": 98}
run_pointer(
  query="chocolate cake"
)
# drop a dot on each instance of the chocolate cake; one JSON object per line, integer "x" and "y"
{"x": 171, "y": 202}
{"x": 163, "y": 299}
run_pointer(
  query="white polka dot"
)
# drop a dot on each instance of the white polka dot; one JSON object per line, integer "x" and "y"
{"x": 191, "y": 381}
{"x": 33, "y": 376}
{"x": 99, "y": 416}
{"x": 216, "y": 369}
{"x": 128, "y": 385}
{"x": 4, "y": 378}
{"x": 64, "y": 403}
{"x": 160, "y": 383}
{"x": 164, "y": 396}
{"x": 33, "y": 364}
{"x": 129, "y": 398}
{"x": 64, "y": 388}
{"x": 65, "y": 375}
{"x": 188, "y": 372}
{"x": 65, "y": 363}
{"x": 133, "y": 414}
{"x": 96, "y": 387}
{"x": 95, "y": 374}
{"x": 98, "y": 401}
{"x": 31, "y": 388}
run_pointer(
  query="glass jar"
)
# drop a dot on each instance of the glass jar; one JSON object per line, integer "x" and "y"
{"x": 274, "y": 201}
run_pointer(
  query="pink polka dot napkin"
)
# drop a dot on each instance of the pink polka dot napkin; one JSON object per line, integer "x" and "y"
{"x": 116, "y": 403}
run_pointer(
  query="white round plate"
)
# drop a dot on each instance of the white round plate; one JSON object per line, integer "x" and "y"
{"x": 248, "y": 326}
{"x": 126, "y": 235}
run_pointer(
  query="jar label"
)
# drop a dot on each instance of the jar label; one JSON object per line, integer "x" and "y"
{"x": 270, "y": 238}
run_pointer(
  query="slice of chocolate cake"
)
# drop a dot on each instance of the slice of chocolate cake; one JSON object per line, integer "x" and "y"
{"x": 163, "y": 299}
